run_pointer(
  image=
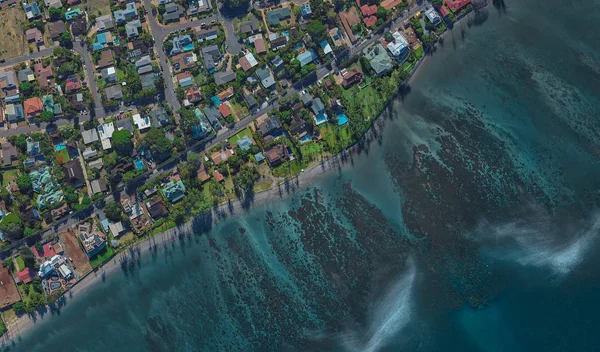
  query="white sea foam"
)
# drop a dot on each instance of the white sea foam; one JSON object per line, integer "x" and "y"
{"x": 540, "y": 244}
{"x": 389, "y": 316}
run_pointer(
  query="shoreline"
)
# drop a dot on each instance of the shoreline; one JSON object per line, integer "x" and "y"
{"x": 23, "y": 324}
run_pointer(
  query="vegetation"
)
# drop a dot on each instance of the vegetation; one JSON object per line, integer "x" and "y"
{"x": 121, "y": 141}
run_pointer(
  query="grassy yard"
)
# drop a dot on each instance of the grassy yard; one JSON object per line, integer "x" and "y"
{"x": 103, "y": 256}
{"x": 419, "y": 52}
{"x": 199, "y": 79}
{"x": 3, "y": 327}
{"x": 8, "y": 175}
{"x": 62, "y": 156}
{"x": 12, "y": 37}
{"x": 288, "y": 169}
{"x": 245, "y": 132}
{"x": 98, "y": 7}
{"x": 20, "y": 263}
{"x": 336, "y": 137}
{"x": 368, "y": 99}
{"x": 310, "y": 151}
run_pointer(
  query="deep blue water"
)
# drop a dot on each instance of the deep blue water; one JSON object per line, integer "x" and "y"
{"x": 470, "y": 223}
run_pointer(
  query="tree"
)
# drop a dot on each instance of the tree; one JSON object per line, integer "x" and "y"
{"x": 246, "y": 177}
{"x": 46, "y": 116}
{"x": 56, "y": 14}
{"x": 158, "y": 144}
{"x": 113, "y": 211}
{"x": 236, "y": 3}
{"x": 27, "y": 255}
{"x": 316, "y": 29}
{"x": 121, "y": 141}
{"x": 19, "y": 307}
{"x": 216, "y": 190}
{"x": 12, "y": 227}
{"x": 65, "y": 39}
{"x": 71, "y": 197}
{"x": 26, "y": 88}
{"x": 25, "y": 184}
{"x": 21, "y": 143}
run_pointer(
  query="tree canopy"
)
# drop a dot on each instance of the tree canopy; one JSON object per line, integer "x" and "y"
{"x": 158, "y": 144}
{"x": 113, "y": 211}
{"x": 121, "y": 141}
{"x": 236, "y": 3}
{"x": 12, "y": 227}
{"x": 25, "y": 184}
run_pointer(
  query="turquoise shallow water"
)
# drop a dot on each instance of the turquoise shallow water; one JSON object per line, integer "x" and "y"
{"x": 469, "y": 223}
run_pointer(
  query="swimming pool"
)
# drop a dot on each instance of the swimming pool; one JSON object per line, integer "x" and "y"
{"x": 342, "y": 119}
{"x": 60, "y": 147}
{"x": 298, "y": 46}
{"x": 321, "y": 118}
{"x": 306, "y": 138}
{"x": 139, "y": 164}
{"x": 286, "y": 33}
{"x": 188, "y": 47}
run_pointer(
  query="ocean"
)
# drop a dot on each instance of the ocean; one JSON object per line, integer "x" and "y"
{"x": 468, "y": 222}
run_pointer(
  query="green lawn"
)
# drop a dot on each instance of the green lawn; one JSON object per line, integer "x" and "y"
{"x": 103, "y": 256}
{"x": 199, "y": 79}
{"x": 245, "y": 132}
{"x": 310, "y": 151}
{"x": 7, "y": 175}
{"x": 288, "y": 169}
{"x": 62, "y": 156}
{"x": 419, "y": 52}
{"x": 368, "y": 99}
{"x": 20, "y": 263}
{"x": 336, "y": 137}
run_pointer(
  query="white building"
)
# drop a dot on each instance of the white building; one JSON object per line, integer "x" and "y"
{"x": 141, "y": 123}
{"x": 399, "y": 47}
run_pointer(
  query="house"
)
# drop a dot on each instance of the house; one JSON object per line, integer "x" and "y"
{"x": 203, "y": 127}
{"x": 143, "y": 62}
{"x": 89, "y": 136}
{"x": 185, "y": 79}
{"x": 370, "y": 21}
{"x": 34, "y": 35}
{"x": 336, "y": 36}
{"x": 349, "y": 18}
{"x": 259, "y": 45}
{"x": 211, "y": 55}
{"x": 44, "y": 75}
{"x": 8, "y": 81}
{"x": 156, "y": 208}
{"x": 185, "y": 61}
{"x": 92, "y": 243}
{"x": 159, "y": 116}
{"x": 433, "y": 16}
{"x": 275, "y": 17}
{"x": 306, "y": 57}
{"x": 25, "y": 75}
{"x": 298, "y": 128}
{"x": 32, "y": 10}
{"x": 351, "y": 77}
{"x": 105, "y": 132}
{"x": 72, "y": 83}
{"x": 148, "y": 80}
{"x": 317, "y": 106}
{"x": 218, "y": 176}
{"x": 79, "y": 25}
{"x": 74, "y": 173}
{"x": 226, "y": 94}
{"x": 25, "y": 276}
{"x": 206, "y": 34}
{"x": 77, "y": 101}
{"x": 213, "y": 116}
{"x": 390, "y": 4}
{"x": 89, "y": 152}
{"x": 250, "y": 100}
{"x": 249, "y": 27}
{"x": 53, "y": 3}
{"x": 224, "y": 110}
{"x": 305, "y": 10}
{"x": 56, "y": 28}
{"x": 221, "y": 156}
{"x": 326, "y": 47}
{"x": 181, "y": 43}
{"x": 172, "y": 12}
{"x": 380, "y": 61}
{"x": 98, "y": 186}
{"x": 366, "y": 10}
{"x": 202, "y": 174}
{"x": 266, "y": 77}
{"x": 104, "y": 23}
{"x": 278, "y": 42}
{"x": 137, "y": 48}
{"x": 14, "y": 112}
{"x": 276, "y": 154}
{"x": 455, "y": 5}
{"x": 96, "y": 164}
{"x": 141, "y": 123}
{"x": 224, "y": 77}
{"x": 124, "y": 124}
{"x": 399, "y": 47}
{"x": 129, "y": 12}
{"x": 193, "y": 95}
{"x": 114, "y": 92}
{"x": 247, "y": 61}
{"x": 33, "y": 107}
{"x": 132, "y": 28}
{"x": 271, "y": 126}
{"x": 109, "y": 74}
{"x": 9, "y": 154}
{"x": 174, "y": 191}
{"x": 107, "y": 58}
{"x": 244, "y": 143}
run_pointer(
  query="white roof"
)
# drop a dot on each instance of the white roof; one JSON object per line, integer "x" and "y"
{"x": 106, "y": 144}
{"x": 251, "y": 59}
{"x": 111, "y": 70}
{"x": 141, "y": 123}
{"x": 64, "y": 271}
{"x": 116, "y": 228}
{"x": 106, "y": 131}
{"x": 398, "y": 45}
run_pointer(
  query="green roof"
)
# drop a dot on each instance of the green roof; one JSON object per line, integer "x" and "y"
{"x": 174, "y": 191}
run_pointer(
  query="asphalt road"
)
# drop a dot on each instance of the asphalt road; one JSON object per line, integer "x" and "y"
{"x": 89, "y": 71}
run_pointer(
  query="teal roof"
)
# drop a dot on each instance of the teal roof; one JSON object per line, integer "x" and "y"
{"x": 69, "y": 15}
{"x": 174, "y": 191}
{"x": 40, "y": 178}
{"x": 48, "y": 103}
{"x": 306, "y": 57}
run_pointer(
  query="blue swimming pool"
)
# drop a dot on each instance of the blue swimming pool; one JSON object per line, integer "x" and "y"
{"x": 286, "y": 33}
{"x": 188, "y": 47}
{"x": 306, "y": 138}
{"x": 60, "y": 147}
{"x": 139, "y": 164}
{"x": 298, "y": 46}
{"x": 342, "y": 119}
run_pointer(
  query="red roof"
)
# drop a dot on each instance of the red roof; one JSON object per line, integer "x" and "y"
{"x": 33, "y": 107}
{"x": 368, "y": 10}
{"x": 26, "y": 275}
{"x": 224, "y": 110}
{"x": 444, "y": 11}
{"x": 218, "y": 176}
{"x": 370, "y": 21}
{"x": 73, "y": 82}
{"x": 259, "y": 45}
{"x": 457, "y": 4}
{"x": 48, "y": 251}
{"x": 193, "y": 95}
{"x": 73, "y": 2}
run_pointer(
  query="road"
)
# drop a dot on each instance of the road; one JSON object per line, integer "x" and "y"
{"x": 99, "y": 111}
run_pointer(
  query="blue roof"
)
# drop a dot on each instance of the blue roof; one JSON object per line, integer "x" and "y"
{"x": 244, "y": 143}
{"x": 306, "y": 57}
{"x": 105, "y": 224}
{"x": 259, "y": 157}
{"x": 97, "y": 46}
{"x": 306, "y": 10}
